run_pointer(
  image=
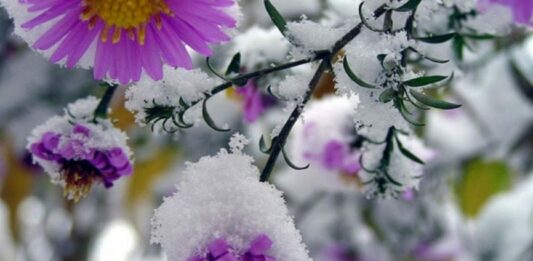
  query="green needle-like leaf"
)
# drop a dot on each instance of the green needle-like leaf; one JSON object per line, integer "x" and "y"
{"x": 437, "y": 39}
{"x": 289, "y": 162}
{"x": 210, "y": 122}
{"x": 387, "y": 95}
{"x": 432, "y": 102}
{"x": 408, "y": 153}
{"x": 354, "y": 77}
{"x": 409, "y": 6}
{"x": 276, "y": 17}
{"x": 263, "y": 146}
{"x": 234, "y": 65}
{"x": 424, "y": 80}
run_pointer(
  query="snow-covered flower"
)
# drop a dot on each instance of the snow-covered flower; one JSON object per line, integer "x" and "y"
{"x": 122, "y": 39}
{"x": 222, "y": 212}
{"x": 522, "y": 9}
{"x": 167, "y": 101}
{"x": 220, "y": 249}
{"x": 78, "y": 151}
{"x": 327, "y": 136}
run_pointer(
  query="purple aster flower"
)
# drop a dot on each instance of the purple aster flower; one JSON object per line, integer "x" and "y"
{"x": 255, "y": 102}
{"x": 336, "y": 156}
{"x": 78, "y": 153}
{"x": 122, "y": 39}
{"x": 220, "y": 250}
{"x": 522, "y": 9}
{"x": 80, "y": 164}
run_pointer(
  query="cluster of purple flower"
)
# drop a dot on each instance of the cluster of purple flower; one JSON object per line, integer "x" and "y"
{"x": 81, "y": 165}
{"x": 220, "y": 250}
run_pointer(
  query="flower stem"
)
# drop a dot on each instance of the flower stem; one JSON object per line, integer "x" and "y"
{"x": 103, "y": 106}
{"x": 279, "y": 142}
{"x": 260, "y": 73}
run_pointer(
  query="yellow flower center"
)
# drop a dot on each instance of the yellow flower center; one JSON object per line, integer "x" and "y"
{"x": 125, "y": 15}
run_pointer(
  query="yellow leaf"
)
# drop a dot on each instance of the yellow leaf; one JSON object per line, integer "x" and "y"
{"x": 481, "y": 181}
{"x": 146, "y": 172}
{"x": 17, "y": 183}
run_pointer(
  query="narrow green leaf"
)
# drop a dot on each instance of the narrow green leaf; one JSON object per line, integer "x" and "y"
{"x": 276, "y": 17}
{"x": 409, "y": 6}
{"x": 263, "y": 146}
{"x": 432, "y": 102}
{"x": 387, "y": 95}
{"x": 480, "y": 37}
{"x": 392, "y": 180}
{"x": 365, "y": 22}
{"x": 182, "y": 124}
{"x": 436, "y": 39}
{"x": 270, "y": 92}
{"x": 398, "y": 104}
{"x": 381, "y": 58}
{"x": 212, "y": 69}
{"x": 408, "y": 119}
{"x": 354, "y": 77}
{"x": 416, "y": 104}
{"x": 103, "y": 106}
{"x": 210, "y": 122}
{"x": 458, "y": 47}
{"x": 424, "y": 80}
{"x": 408, "y": 153}
{"x": 289, "y": 162}
{"x": 433, "y": 59}
{"x": 388, "y": 23}
{"x": 235, "y": 65}
{"x": 183, "y": 104}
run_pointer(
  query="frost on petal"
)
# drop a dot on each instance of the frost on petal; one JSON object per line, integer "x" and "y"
{"x": 222, "y": 198}
{"x": 325, "y": 134}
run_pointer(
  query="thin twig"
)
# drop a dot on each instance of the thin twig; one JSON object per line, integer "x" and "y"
{"x": 279, "y": 142}
{"x": 103, "y": 106}
{"x": 261, "y": 73}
